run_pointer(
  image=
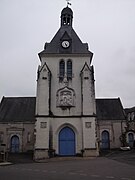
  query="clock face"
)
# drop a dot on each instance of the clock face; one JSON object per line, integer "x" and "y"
{"x": 65, "y": 44}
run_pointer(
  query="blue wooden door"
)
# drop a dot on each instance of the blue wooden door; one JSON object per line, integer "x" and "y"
{"x": 66, "y": 142}
{"x": 105, "y": 140}
{"x": 131, "y": 139}
{"x": 15, "y": 144}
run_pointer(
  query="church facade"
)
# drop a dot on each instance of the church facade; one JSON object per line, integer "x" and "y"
{"x": 65, "y": 104}
{"x": 65, "y": 118}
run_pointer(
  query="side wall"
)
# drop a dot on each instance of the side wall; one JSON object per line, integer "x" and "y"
{"x": 115, "y": 128}
{"x": 24, "y": 131}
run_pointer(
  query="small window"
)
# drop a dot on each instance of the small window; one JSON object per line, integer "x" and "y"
{"x": 43, "y": 125}
{"x": 131, "y": 139}
{"x": 69, "y": 69}
{"x": 129, "y": 117}
{"x": 64, "y": 20}
{"x": 68, "y": 21}
{"x": 61, "y": 69}
{"x": 132, "y": 116}
{"x": 1, "y": 137}
{"x": 28, "y": 137}
{"x": 88, "y": 124}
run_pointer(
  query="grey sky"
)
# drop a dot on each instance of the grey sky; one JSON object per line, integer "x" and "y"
{"x": 107, "y": 25}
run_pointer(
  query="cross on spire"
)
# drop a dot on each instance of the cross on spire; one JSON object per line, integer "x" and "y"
{"x": 68, "y": 2}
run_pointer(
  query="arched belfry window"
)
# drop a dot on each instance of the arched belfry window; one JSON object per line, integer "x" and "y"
{"x": 64, "y": 20}
{"x": 62, "y": 69}
{"x": 69, "y": 69}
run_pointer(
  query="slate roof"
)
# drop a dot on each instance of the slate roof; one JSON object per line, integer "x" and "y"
{"x": 109, "y": 109}
{"x": 129, "y": 110}
{"x": 67, "y": 10}
{"x": 17, "y": 109}
{"x": 22, "y": 109}
{"x": 77, "y": 46}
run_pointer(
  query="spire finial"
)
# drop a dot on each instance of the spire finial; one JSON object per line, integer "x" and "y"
{"x": 68, "y": 3}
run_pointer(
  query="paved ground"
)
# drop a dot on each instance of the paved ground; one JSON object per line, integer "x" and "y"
{"x": 113, "y": 165}
{"x": 100, "y": 168}
{"x": 20, "y": 158}
{"x": 127, "y": 157}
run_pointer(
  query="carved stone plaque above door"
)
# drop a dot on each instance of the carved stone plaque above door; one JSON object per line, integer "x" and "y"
{"x": 65, "y": 97}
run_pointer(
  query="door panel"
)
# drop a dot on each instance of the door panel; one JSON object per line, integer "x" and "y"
{"x": 131, "y": 139}
{"x": 15, "y": 144}
{"x": 105, "y": 140}
{"x": 67, "y": 142}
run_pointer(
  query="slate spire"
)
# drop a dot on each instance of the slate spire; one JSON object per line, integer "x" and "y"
{"x": 66, "y": 41}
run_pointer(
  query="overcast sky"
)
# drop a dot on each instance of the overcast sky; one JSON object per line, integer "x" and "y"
{"x": 108, "y": 26}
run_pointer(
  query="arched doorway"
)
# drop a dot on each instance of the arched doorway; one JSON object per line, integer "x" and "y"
{"x": 66, "y": 142}
{"x": 131, "y": 139}
{"x": 105, "y": 140}
{"x": 14, "y": 145}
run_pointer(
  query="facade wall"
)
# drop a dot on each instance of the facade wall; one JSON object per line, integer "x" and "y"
{"x": 82, "y": 89}
{"x": 89, "y": 133}
{"x": 115, "y": 128}
{"x": 84, "y": 129}
{"x": 74, "y": 123}
{"x": 42, "y": 127}
{"x": 85, "y": 139}
{"x": 24, "y": 131}
{"x": 130, "y": 130}
{"x": 75, "y": 84}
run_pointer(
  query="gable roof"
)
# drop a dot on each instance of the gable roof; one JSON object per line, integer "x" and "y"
{"x": 77, "y": 46}
{"x": 17, "y": 109}
{"x": 109, "y": 109}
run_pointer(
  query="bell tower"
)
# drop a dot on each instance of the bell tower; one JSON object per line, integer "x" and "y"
{"x": 66, "y": 17}
{"x": 65, "y": 102}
